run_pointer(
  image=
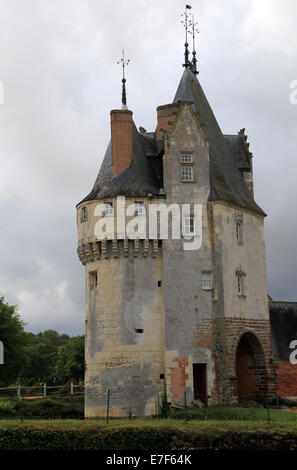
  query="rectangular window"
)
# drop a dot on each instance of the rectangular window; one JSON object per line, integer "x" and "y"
{"x": 93, "y": 280}
{"x": 186, "y": 158}
{"x": 186, "y": 173}
{"x": 189, "y": 226}
{"x": 240, "y": 284}
{"x": 206, "y": 279}
{"x": 239, "y": 232}
{"x": 139, "y": 208}
{"x": 108, "y": 209}
{"x": 84, "y": 214}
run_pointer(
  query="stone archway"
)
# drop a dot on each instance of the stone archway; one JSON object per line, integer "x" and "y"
{"x": 250, "y": 369}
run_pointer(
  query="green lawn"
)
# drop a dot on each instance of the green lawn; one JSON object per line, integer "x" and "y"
{"x": 211, "y": 418}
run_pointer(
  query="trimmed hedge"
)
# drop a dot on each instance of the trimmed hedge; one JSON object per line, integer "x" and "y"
{"x": 24, "y": 437}
{"x": 44, "y": 408}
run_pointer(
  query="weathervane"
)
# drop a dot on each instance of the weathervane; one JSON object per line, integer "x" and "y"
{"x": 185, "y": 23}
{"x": 192, "y": 32}
{"x": 125, "y": 63}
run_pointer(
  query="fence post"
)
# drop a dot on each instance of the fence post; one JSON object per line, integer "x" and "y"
{"x": 267, "y": 408}
{"x": 44, "y": 390}
{"x": 18, "y": 391}
{"x": 107, "y": 408}
{"x": 71, "y": 388}
{"x": 22, "y": 406}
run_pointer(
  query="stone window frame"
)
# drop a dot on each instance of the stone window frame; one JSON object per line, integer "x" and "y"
{"x": 239, "y": 227}
{"x": 206, "y": 280}
{"x": 107, "y": 209}
{"x": 84, "y": 214}
{"x": 239, "y": 232}
{"x": 241, "y": 283}
{"x": 189, "y": 233}
{"x": 184, "y": 169}
{"x": 139, "y": 213}
{"x": 184, "y": 158}
{"x": 93, "y": 280}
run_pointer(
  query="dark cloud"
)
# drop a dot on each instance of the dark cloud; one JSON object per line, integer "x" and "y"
{"x": 58, "y": 67}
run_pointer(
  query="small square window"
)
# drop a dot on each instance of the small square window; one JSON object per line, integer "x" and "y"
{"x": 139, "y": 208}
{"x": 240, "y": 284}
{"x": 84, "y": 214}
{"x": 189, "y": 226}
{"x": 186, "y": 173}
{"x": 108, "y": 209}
{"x": 186, "y": 158}
{"x": 93, "y": 279}
{"x": 206, "y": 280}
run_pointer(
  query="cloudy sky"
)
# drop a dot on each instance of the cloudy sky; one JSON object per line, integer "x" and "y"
{"x": 60, "y": 79}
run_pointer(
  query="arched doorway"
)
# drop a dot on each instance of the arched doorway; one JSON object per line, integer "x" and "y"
{"x": 250, "y": 369}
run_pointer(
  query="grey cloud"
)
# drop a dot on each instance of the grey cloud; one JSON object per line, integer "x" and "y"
{"x": 58, "y": 66}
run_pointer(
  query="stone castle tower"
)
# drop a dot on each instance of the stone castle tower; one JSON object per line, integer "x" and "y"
{"x": 157, "y": 313}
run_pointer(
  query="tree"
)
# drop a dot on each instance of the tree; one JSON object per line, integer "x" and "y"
{"x": 13, "y": 338}
{"x": 42, "y": 352}
{"x": 70, "y": 361}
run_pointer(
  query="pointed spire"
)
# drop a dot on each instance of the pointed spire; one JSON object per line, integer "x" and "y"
{"x": 124, "y": 62}
{"x": 185, "y": 23}
{"x": 193, "y": 31}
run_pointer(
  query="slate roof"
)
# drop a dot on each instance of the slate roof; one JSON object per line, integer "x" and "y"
{"x": 227, "y": 183}
{"x": 283, "y": 327}
{"x": 139, "y": 180}
{"x": 144, "y": 176}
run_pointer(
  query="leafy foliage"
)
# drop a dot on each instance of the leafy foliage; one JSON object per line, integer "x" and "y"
{"x": 70, "y": 359}
{"x": 42, "y": 353}
{"x": 44, "y": 408}
{"x": 13, "y": 338}
{"x": 35, "y": 358}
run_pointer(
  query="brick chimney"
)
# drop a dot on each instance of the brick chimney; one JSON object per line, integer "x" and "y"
{"x": 166, "y": 115}
{"x": 121, "y": 140}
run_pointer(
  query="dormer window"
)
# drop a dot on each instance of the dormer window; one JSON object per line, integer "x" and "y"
{"x": 108, "y": 209}
{"x": 139, "y": 208}
{"x": 84, "y": 214}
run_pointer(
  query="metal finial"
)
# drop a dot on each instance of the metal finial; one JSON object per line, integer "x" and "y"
{"x": 194, "y": 30}
{"x": 185, "y": 23}
{"x": 124, "y": 62}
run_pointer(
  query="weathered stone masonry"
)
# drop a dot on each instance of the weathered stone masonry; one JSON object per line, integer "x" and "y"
{"x": 150, "y": 318}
